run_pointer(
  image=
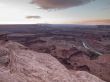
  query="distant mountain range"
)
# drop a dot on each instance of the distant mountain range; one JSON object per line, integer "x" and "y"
{"x": 39, "y": 27}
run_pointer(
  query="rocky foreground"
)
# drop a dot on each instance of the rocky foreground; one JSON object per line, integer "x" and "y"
{"x": 75, "y": 58}
{"x": 19, "y": 64}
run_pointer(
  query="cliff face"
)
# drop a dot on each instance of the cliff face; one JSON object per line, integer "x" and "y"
{"x": 19, "y": 64}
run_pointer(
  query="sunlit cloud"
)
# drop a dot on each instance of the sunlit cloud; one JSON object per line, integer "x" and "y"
{"x": 59, "y": 4}
{"x": 99, "y": 22}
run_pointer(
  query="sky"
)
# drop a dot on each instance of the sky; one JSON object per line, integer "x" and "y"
{"x": 55, "y": 11}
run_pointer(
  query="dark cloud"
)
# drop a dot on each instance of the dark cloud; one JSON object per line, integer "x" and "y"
{"x": 59, "y": 4}
{"x": 33, "y": 17}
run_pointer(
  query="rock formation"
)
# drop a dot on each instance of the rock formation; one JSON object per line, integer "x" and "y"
{"x": 78, "y": 59}
{"x": 19, "y": 64}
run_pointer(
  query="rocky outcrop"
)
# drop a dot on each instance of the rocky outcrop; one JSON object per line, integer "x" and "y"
{"x": 19, "y": 64}
{"x": 78, "y": 59}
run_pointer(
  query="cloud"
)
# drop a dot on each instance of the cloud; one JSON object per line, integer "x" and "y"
{"x": 89, "y": 21}
{"x": 101, "y": 21}
{"x": 33, "y": 17}
{"x": 59, "y": 4}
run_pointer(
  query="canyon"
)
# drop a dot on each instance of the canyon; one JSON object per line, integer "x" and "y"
{"x": 83, "y": 51}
